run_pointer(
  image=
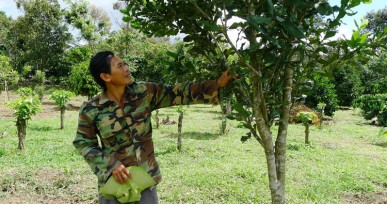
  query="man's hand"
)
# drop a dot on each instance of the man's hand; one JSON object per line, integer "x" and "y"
{"x": 121, "y": 174}
{"x": 225, "y": 78}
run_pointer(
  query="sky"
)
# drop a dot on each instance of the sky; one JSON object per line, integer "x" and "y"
{"x": 9, "y": 6}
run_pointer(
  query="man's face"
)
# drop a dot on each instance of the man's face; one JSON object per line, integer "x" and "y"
{"x": 119, "y": 72}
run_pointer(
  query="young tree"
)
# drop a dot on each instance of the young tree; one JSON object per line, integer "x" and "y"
{"x": 180, "y": 110}
{"x": 275, "y": 38}
{"x": 24, "y": 108}
{"x": 306, "y": 118}
{"x": 7, "y": 74}
{"x": 61, "y": 97}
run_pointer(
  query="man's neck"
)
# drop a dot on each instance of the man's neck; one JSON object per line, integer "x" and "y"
{"x": 116, "y": 94}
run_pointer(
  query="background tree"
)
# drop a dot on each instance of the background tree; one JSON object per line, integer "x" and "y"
{"x": 5, "y": 25}
{"x": 8, "y": 76}
{"x": 92, "y": 22}
{"x": 42, "y": 36}
{"x": 81, "y": 82}
{"x": 24, "y": 108}
{"x": 320, "y": 89}
{"x": 377, "y": 21}
{"x": 277, "y": 37}
{"x": 39, "y": 87}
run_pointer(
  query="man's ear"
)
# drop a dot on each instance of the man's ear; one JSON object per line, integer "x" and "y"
{"x": 105, "y": 77}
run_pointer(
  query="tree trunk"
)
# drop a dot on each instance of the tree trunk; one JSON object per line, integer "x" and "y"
{"x": 223, "y": 126}
{"x": 179, "y": 127}
{"x": 306, "y": 132}
{"x": 6, "y": 96}
{"x": 157, "y": 119}
{"x": 277, "y": 193}
{"x": 21, "y": 132}
{"x": 62, "y": 113}
{"x": 280, "y": 144}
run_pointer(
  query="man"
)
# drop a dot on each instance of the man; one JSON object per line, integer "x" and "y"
{"x": 120, "y": 116}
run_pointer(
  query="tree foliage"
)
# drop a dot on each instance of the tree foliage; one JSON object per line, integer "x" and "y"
{"x": 377, "y": 21}
{"x": 81, "y": 82}
{"x": 41, "y": 36}
{"x": 373, "y": 106}
{"x": 276, "y": 41}
{"x": 8, "y": 76}
{"x": 25, "y": 107}
{"x": 61, "y": 97}
{"x": 93, "y": 22}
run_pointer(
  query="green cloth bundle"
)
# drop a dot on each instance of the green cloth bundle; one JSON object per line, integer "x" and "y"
{"x": 128, "y": 192}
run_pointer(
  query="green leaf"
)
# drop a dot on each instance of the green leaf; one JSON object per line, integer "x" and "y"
{"x": 241, "y": 110}
{"x": 329, "y": 34}
{"x": 135, "y": 25}
{"x": 172, "y": 54}
{"x": 270, "y": 7}
{"x": 188, "y": 38}
{"x": 324, "y": 8}
{"x": 127, "y": 18}
{"x": 237, "y": 25}
{"x": 211, "y": 26}
{"x": 246, "y": 137}
{"x": 293, "y": 29}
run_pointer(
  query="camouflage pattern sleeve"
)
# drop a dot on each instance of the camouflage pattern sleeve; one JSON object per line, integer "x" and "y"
{"x": 183, "y": 94}
{"x": 101, "y": 161}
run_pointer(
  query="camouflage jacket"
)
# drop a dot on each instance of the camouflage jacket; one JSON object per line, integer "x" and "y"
{"x": 126, "y": 134}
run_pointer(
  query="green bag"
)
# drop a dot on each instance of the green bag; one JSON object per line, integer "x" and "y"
{"x": 128, "y": 192}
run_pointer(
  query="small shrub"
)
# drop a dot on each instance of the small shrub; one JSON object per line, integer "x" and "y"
{"x": 40, "y": 91}
{"x": 383, "y": 132}
{"x": 40, "y": 77}
{"x": 373, "y": 106}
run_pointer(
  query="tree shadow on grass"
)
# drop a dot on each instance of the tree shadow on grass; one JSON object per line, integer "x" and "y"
{"x": 381, "y": 144}
{"x": 198, "y": 135}
{"x": 42, "y": 128}
{"x": 169, "y": 150}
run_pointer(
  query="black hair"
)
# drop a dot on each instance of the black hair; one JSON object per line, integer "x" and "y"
{"x": 100, "y": 63}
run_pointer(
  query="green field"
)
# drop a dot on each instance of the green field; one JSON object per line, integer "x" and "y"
{"x": 345, "y": 163}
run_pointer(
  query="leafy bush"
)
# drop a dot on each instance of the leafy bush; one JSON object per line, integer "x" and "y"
{"x": 348, "y": 83}
{"x": 373, "y": 106}
{"x": 40, "y": 91}
{"x": 40, "y": 77}
{"x": 383, "y": 132}
{"x": 81, "y": 82}
{"x": 321, "y": 90}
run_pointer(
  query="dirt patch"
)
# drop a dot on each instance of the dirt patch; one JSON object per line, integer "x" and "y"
{"x": 368, "y": 198}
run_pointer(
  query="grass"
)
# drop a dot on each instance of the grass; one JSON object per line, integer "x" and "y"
{"x": 346, "y": 162}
